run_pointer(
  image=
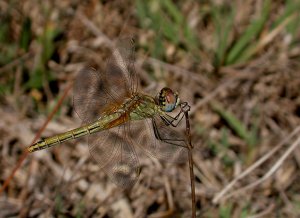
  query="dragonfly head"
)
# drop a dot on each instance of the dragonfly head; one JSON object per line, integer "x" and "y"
{"x": 167, "y": 99}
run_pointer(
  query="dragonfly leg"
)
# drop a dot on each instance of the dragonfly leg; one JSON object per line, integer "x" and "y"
{"x": 185, "y": 107}
{"x": 174, "y": 121}
{"x": 175, "y": 142}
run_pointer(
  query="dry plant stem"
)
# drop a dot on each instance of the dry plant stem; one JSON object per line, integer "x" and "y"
{"x": 15, "y": 62}
{"x": 176, "y": 69}
{"x": 221, "y": 194}
{"x": 170, "y": 211}
{"x": 93, "y": 28}
{"x": 191, "y": 163}
{"x": 37, "y": 136}
{"x": 224, "y": 85}
{"x": 270, "y": 172}
{"x": 265, "y": 212}
{"x": 19, "y": 163}
{"x": 269, "y": 37}
{"x": 169, "y": 194}
{"x": 212, "y": 95}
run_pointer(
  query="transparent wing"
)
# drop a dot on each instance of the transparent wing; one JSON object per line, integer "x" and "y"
{"x": 164, "y": 142}
{"x": 115, "y": 155}
{"x": 92, "y": 95}
{"x": 102, "y": 146}
{"x": 99, "y": 92}
{"x": 122, "y": 61}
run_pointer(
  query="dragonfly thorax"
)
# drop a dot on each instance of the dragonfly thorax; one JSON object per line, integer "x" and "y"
{"x": 140, "y": 107}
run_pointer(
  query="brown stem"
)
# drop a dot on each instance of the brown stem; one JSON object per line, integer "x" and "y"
{"x": 25, "y": 153}
{"x": 191, "y": 163}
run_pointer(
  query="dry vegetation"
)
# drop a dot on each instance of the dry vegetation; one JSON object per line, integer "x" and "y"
{"x": 235, "y": 62}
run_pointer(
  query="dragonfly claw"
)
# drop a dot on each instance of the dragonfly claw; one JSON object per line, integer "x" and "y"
{"x": 185, "y": 107}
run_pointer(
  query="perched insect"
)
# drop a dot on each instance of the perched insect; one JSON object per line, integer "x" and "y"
{"x": 116, "y": 116}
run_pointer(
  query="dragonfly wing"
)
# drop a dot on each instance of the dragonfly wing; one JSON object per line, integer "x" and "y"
{"x": 122, "y": 62}
{"x": 102, "y": 147}
{"x": 92, "y": 96}
{"x": 116, "y": 156}
{"x": 164, "y": 142}
{"x": 99, "y": 92}
{"x": 125, "y": 169}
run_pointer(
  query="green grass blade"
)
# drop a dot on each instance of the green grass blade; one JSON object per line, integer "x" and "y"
{"x": 233, "y": 122}
{"x": 173, "y": 11}
{"x": 4, "y": 32}
{"x": 223, "y": 27}
{"x": 225, "y": 211}
{"x": 291, "y": 7}
{"x": 224, "y": 139}
{"x": 179, "y": 24}
{"x": 250, "y": 34}
{"x": 165, "y": 17}
{"x": 25, "y": 37}
{"x": 142, "y": 13}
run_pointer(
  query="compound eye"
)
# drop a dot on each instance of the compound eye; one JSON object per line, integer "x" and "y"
{"x": 167, "y": 99}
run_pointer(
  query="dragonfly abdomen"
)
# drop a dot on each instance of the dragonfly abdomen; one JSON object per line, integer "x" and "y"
{"x": 96, "y": 126}
{"x": 51, "y": 141}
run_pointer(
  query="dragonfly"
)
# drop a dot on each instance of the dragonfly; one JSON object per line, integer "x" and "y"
{"x": 117, "y": 118}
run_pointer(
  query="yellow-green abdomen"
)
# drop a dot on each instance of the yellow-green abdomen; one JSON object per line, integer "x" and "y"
{"x": 99, "y": 125}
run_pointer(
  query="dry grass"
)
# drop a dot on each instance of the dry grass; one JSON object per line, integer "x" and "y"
{"x": 236, "y": 63}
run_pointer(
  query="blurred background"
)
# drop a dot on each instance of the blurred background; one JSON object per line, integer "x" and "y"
{"x": 235, "y": 62}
